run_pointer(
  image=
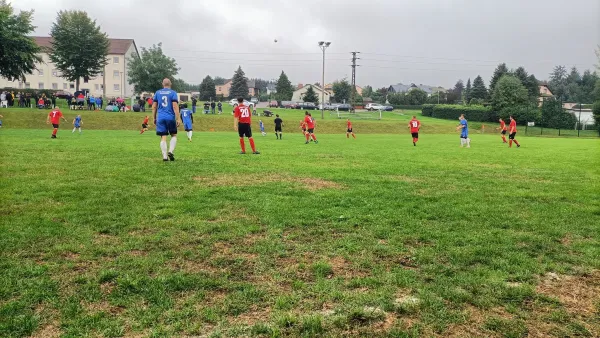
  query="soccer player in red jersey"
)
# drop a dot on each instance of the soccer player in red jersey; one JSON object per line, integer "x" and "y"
{"x": 144, "y": 125}
{"x": 349, "y": 130}
{"x": 241, "y": 123}
{"x": 512, "y": 132}
{"x": 303, "y": 127}
{"x": 415, "y": 126}
{"x": 54, "y": 116}
{"x": 503, "y": 132}
{"x": 310, "y": 125}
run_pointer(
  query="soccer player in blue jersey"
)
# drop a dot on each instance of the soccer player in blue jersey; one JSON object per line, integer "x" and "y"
{"x": 464, "y": 132}
{"x": 186, "y": 118}
{"x": 262, "y": 127}
{"x": 165, "y": 108}
{"x": 77, "y": 124}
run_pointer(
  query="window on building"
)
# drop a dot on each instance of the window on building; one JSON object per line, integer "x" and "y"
{"x": 115, "y": 59}
{"x": 102, "y": 87}
{"x": 41, "y": 85}
{"x": 86, "y": 80}
{"x": 117, "y": 88}
{"x": 65, "y": 85}
{"x": 115, "y": 74}
{"x": 101, "y": 73}
{"x": 27, "y": 85}
{"x": 20, "y": 85}
{"x": 55, "y": 86}
{"x": 41, "y": 72}
{"x": 72, "y": 86}
{"x": 54, "y": 72}
{"x": 97, "y": 87}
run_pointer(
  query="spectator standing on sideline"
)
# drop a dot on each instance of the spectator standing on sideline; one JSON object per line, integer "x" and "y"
{"x": 142, "y": 104}
{"x": 206, "y": 107}
{"x": 3, "y": 101}
{"x": 194, "y": 102}
{"x": 22, "y": 103}
{"x": 93, "y": 102}
{"x": 149, "y": 101}
{"x": 28, "y": 100}
{"x": 53, "y": 100}
{"x": 99, "y": 102}
{"x": 9, "y": 99}
{"x": 220, "y": 107}
{"x": 212, "y": 107}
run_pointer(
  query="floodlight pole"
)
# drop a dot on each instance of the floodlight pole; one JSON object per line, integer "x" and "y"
{"x": 323, "y": 45}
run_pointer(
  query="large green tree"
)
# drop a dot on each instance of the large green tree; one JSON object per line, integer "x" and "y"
{"x": 219, "y": 80}
{"x": 239, "y": 84}
{"x": 342, "y": 91}
{"x": 208, "y": 90}
{"x": 509, "y": 93}
{"x": 147, "y": 72}
{"x": 79, "y": 47}
{"x": 528, "y": 81}
{"x": 18, "y": 51}
{"x": 367, "y": 91}
{"x": 468, "y": 91}
{"x": 558, "y": 82}
{"x": 416, "y": 97}
{"x": 500, "y": 71}
{"x": 479, "y": 91}
{"x": 284, "y": 88}
{"x": 311, "y": 95}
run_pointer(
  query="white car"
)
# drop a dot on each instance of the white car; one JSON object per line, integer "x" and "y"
{"x": 234, "y": 103}
{"x": 374, "y": 106}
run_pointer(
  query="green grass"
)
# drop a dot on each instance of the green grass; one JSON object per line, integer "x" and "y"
{"x": 365, "y": 237}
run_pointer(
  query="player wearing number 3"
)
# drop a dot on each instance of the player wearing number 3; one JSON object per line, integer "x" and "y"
{"x": 241, "y": 123}
{"x": 166, "y": 118}
{"x": 415, "y": 126}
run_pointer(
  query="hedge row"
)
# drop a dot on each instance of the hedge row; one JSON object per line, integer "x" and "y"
{"x": 408, "y": 106}
{"x": 453, "y": 112}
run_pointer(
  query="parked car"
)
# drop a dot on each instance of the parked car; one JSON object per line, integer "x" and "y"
{"x": 234, "y": 103}
{"x": 374, "y": 106}
{"x": 288, "y": 104}
{"x": 62, "y": 94}
{"x": 306, "y": 106}
{"x": 344, "y": 107}
{"x": 388, "y": 108}
{"x": 273, "y": 104}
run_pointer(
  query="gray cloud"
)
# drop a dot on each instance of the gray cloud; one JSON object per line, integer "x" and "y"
{"x": 427, "y": 41}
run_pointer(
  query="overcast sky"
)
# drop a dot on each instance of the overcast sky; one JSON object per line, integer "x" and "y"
{"x": 434, "y": 42}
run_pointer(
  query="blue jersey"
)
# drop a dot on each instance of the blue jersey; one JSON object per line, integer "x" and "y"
{"x": 262, "y": 126}
{"x": 92, "y": 100}
{"x": 164, "y": 99}
{"x": 77, "y": 121}
{"x": 186, "y": 116}
{"x": 465, "y": 130}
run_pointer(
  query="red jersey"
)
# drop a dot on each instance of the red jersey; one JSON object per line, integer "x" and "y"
{"x": 414, "y": 125}
{"x": 303, "y": 125}
{"x": 349, "y": 125}
{"x": 242, "y": 113}
{"x": 55, "y": 116}
{"x": 502, "y": 125}
{"x": 146, "y": 120}
{"x": 310, "y": 122}
{"x": 513, "y": 126}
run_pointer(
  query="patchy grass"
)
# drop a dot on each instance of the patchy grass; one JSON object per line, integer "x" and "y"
{"x": 365, "y": 237}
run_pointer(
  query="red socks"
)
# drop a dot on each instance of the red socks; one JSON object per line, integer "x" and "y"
{"x": 510, "y": 143}
{"x": 54, "y": 131}
{"x": 504, "y": 138}
{"x": 517, "y": 143}
{"x": 313, "y": 137}
{"x": 242, "y": 144}
{"x": 307, "y": 137}
{"x": 353, "y": 135}
{"x": 252, "y": 144}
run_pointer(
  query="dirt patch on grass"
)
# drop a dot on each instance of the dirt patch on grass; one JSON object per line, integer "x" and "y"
{"x": 251, "y": 317}
{"x": 580, "y": 295}
{"x": 308, "y": 183}
{"x": 48, "y": 331}
{"x": 102, "y": 306}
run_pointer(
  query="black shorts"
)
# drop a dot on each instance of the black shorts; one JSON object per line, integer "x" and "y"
{"x": 512, "y": 136}
{"x": 54, "y": 125}
{"x": 349, "y": 130}
{"x": 244, "y": 130}
{"x": 415, "y": 135}
{"x": 144, "y": 126}
{"x": 503, "y": 132}
{"x": 278, "y": 129}
{"x": 311, "y": 130}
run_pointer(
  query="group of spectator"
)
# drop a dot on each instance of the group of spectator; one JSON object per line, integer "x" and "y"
{"x": 209, "y": 107}
{"x": 27, "y": 100}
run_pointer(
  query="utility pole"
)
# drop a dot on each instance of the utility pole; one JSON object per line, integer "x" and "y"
{"x": 323, "y": 45}
{"x": 354, "y": 65}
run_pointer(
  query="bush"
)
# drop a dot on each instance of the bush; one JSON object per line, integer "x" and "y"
{"x": 522, "y": 114}
{"x": 452, "y": 112}
{"x": 477, "y": 102}
{"x": 596, "y": 112}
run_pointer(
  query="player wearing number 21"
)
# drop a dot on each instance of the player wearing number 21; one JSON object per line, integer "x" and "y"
{"x": 166, "y": 118}
{"x": 415, "y": 126}
{"x": 241, "y": 123}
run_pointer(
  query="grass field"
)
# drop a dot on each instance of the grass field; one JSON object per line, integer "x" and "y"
{"x": 365, "y": 237}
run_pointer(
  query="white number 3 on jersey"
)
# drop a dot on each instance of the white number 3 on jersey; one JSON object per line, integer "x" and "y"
{"x": 164, "y": 101}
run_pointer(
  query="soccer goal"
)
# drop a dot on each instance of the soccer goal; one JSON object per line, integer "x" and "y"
{"x": 363, "y": 115}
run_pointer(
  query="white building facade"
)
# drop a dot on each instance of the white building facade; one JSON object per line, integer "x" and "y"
{"x": 113, "y": 82}
{"x": 298, "y": 95}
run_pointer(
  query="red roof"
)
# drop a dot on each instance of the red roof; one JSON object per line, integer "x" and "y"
{"x": 117, "y": 46}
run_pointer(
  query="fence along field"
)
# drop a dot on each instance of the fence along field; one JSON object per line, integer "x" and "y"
{"x": 349, "y": 237}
